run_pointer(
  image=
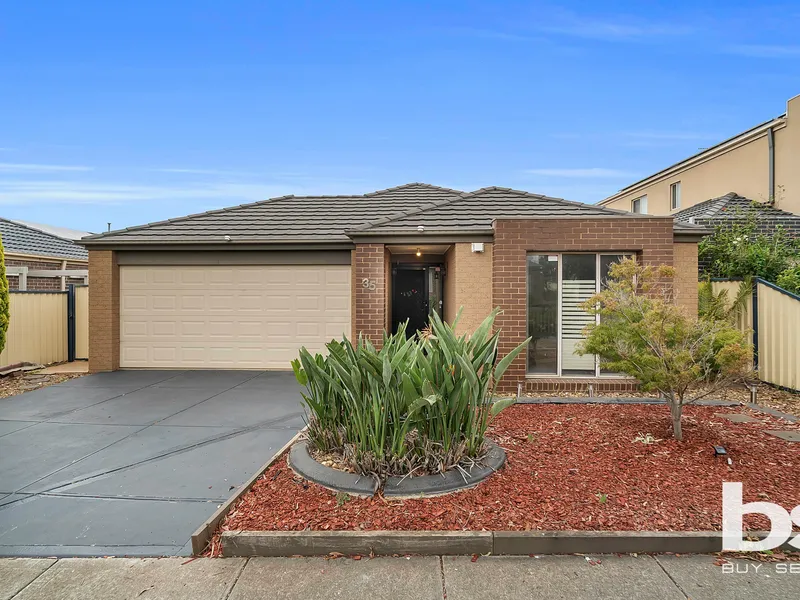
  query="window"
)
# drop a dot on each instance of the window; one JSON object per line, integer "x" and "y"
{"x": 675, "y": 195}
{"x": 639, "y": 205}
{"x": 557, "y": 285}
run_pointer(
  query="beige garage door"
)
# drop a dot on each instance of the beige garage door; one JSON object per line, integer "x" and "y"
{"x": 229, "y": 317}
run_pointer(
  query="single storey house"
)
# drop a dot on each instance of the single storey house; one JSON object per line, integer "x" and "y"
{"x": 245, "y": 287}
{"x": 41, "y": 258}
{"x": 732, "y": 208}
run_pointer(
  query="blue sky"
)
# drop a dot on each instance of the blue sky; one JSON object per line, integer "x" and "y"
{"x": 141, "y": 111}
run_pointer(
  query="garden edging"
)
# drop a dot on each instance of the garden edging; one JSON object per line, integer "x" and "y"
{"x": 396, "y": 487}
{"x": 436, "y": 543}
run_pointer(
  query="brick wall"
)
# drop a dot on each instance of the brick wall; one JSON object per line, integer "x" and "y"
{"x": 449, "y": 305}
{"x": 48, "y": 284}
{"x": 650, "y": 238}
{"x": 369, "y": 307}
{"x": 103, "y": 311}
{"x": 686, "y": 278}
{"x": 469, "y": 285}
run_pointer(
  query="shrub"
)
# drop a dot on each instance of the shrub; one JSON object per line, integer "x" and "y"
{"x": 644, "y": 334}
{"x": 717, "y": 305}
{"x": 417, "y": 405}
{"x": 790, "y": 279}
{"x": 739, "y": 250}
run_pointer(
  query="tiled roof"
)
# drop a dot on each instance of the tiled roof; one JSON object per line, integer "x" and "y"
{"x": 21, "y": 239}
{"x": 288, "y": 218}
{"x": 732, "y": 207}
{"x": 476, "y": 211}
{"x": 331, "y": 219}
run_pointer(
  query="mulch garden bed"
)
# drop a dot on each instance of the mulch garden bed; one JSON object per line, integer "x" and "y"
{"x": 21, "y": 382}
{"x": 768, "y": 395}
{"x": 570, "y": 467}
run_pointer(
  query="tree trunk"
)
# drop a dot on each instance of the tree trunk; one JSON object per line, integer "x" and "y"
{"x": 676, "y": 410}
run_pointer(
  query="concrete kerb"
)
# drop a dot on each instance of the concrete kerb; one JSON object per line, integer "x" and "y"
{"x": 202, "y": 536}
{"x": 437, "y": 543}
{"x": 426, "y": 486}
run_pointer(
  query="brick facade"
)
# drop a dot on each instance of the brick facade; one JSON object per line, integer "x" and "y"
{"x": 103, "y": 311}
{"x": 650, "y": 238}
{"x": 42, "y": 284}
{"x": 686, "y": 277}
{"x": 370, "y": 303}
{"x": 468, "y": 285}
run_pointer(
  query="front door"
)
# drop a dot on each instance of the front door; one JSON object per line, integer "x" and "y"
{"x": 410, "y": 299}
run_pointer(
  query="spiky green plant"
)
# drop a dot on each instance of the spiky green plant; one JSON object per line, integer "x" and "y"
{"x": 421, "y": 403}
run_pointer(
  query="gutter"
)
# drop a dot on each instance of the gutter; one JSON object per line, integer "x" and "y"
{"x": 771, "y": 143}
{"x": 701, "y": 157}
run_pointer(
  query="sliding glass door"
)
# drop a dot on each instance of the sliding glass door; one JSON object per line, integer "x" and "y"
{"x": 557, "y": 286}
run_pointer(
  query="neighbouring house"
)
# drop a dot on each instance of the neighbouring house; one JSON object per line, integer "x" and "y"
{"x": 732, "y": 208}
{"x": 245, "y": 287}
{"x": 762, "y": 163}
{"x": 41, "y": 257}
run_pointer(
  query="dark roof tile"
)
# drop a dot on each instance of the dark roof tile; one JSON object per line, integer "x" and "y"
{"x": 21, "y": 239}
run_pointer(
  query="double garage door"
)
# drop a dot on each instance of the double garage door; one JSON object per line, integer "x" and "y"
{"x": 229, "y": 317}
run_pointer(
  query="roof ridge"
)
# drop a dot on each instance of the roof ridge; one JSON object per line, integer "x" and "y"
{"x": 548, "y": 198}
{"x": 412, "y": 184}
{"x": 97, "y": 236}
{"x": 403, "y": 215}
{"x": 465, "y": 195}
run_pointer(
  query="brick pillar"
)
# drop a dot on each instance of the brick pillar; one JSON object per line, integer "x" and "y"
{"x": 103, "y": 311}
{"x": 686, "y": 276}
{"x": 369, "y": 291}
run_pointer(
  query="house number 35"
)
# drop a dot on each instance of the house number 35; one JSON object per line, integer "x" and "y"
{"x": 368, "y": 284}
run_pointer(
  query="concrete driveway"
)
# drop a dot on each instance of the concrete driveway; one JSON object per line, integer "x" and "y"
{"x": 132, "y": 462}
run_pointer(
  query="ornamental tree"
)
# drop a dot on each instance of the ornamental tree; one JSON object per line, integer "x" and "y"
{"x": 642, "y": 333}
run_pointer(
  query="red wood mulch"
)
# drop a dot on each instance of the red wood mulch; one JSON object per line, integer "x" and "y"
{"x": 562, "y": 459}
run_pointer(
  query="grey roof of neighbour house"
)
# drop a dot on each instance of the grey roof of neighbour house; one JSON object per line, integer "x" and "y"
{"x": 734, "y": 208}
{"x": 284, "y": 219}
{"x": 22, "y": 239}
{"x": 62, "y": 232}
{"x": 333, "y": 219}
{"x": 476, "y": 210}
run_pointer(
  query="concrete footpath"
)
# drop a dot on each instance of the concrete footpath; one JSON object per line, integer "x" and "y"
{"x": 428, "y": 578}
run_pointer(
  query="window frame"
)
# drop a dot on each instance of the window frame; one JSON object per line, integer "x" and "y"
{"x": 642, "y": 200}
{"x": 559, "y": 321}
{"x": 675, "y": 198}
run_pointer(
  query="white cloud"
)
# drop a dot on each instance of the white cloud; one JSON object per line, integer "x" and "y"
{"x": 671, "y": 135}
{"x": 39, "y": 168}
{"x": 92, "y": 192}
{"x": 764, "y": 50}
{"x": 619, "y": 28}
{"x": 181, "y": 171}
{"x": 590, "y": 173}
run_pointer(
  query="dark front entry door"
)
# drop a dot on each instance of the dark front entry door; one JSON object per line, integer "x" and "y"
{"x": 410, "y": 299}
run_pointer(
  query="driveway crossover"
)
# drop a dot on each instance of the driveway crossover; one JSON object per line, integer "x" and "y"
{"x": 132, "y": 462}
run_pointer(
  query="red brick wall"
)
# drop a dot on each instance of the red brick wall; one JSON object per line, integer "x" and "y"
{"x": 370, "y": 305}
{"x": 650, "y": 238}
